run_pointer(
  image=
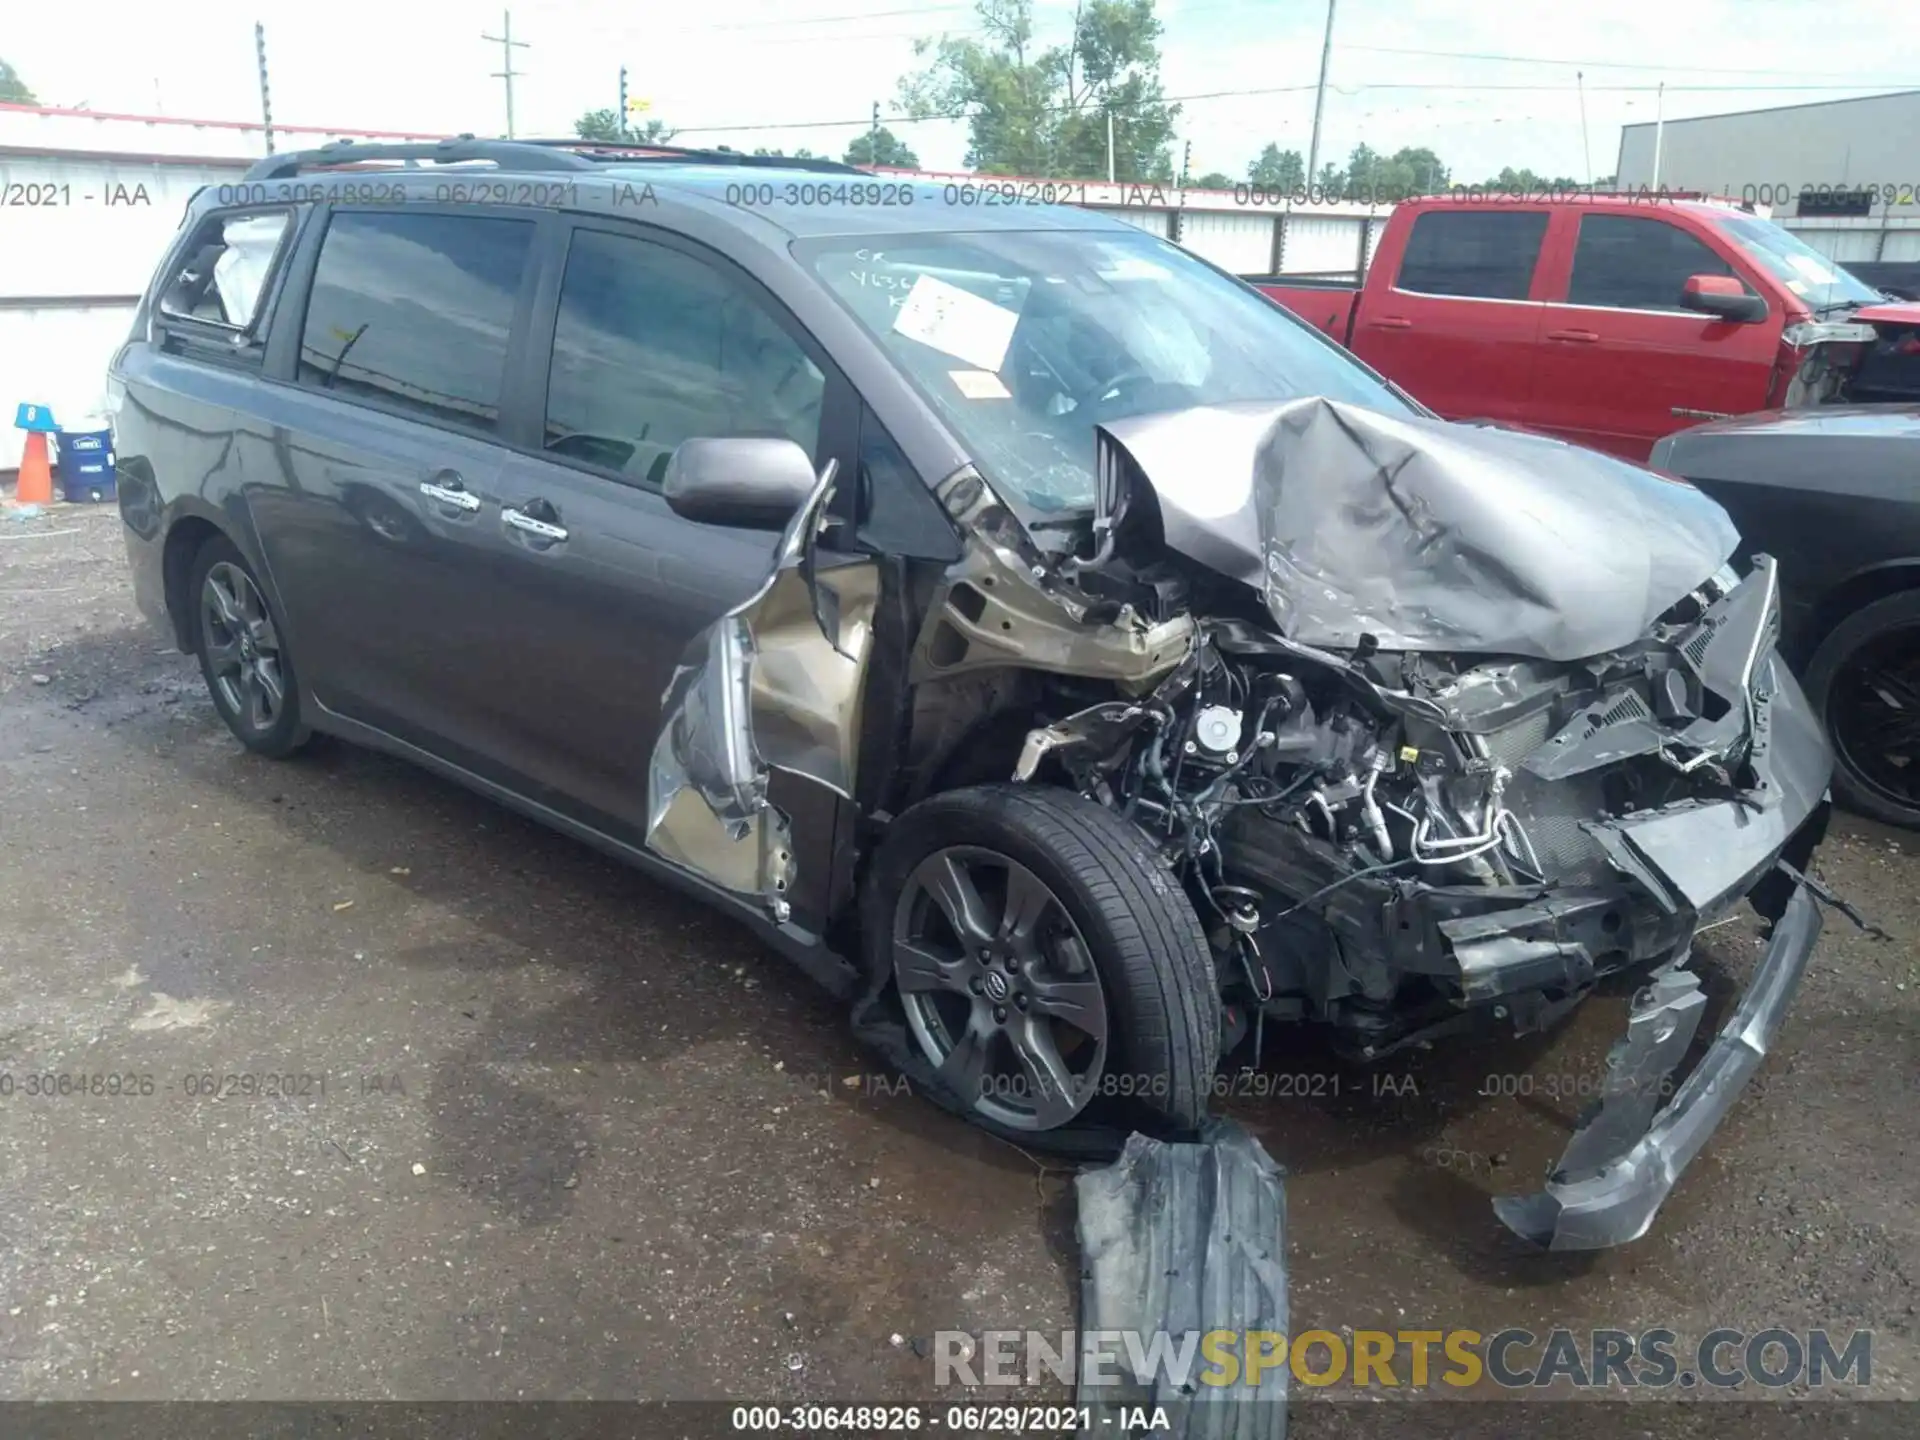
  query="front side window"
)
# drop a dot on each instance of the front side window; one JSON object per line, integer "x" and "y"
{"x": 414, "y": 312}
{"x": 1480, "y": 254}
{"x": 653, "y": 346}
{"x": 1626, "y": 262}
{"x": 1024, "y": 341}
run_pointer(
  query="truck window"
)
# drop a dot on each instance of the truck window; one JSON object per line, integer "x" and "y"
{"x": 1628, "y": 262}
{"x": 1485, "y": 254}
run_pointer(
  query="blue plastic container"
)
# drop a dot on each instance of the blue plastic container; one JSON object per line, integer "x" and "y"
{"x": 86, "y": 463}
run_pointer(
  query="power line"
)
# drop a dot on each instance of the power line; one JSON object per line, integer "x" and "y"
{"x": 861, "y": 120}
{"x": 1579, "y": 64}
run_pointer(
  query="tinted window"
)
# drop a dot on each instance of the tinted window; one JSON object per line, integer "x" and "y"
{"x": 652, "y": 347}
{"x": 415, "y": 311}
{"x": 1484, "y": 253}
{"x": 1634, "y": 264}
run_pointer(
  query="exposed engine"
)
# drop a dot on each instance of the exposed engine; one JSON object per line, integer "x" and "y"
{"x": 1296, "y": 790}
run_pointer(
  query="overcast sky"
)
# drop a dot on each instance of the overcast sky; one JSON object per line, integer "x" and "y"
{"x": 1470, "y": 78}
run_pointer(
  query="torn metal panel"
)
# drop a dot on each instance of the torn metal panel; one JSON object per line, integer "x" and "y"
{"x": 999, "y": 605}
{"x": 774, "y": 684}
{"x": 1618, "y": 1169}
{"x": 1708, "y": 852}
{"x": 1177, "y": 1240}
{"x": 1426, "y": 535}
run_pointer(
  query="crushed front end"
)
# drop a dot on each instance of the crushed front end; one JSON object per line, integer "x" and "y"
{"x": 1426, "y": 793}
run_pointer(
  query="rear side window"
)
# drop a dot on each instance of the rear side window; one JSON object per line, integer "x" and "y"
{"x": 1629, "y": 263}
{"x": 222, "y": 271}
{"x": 1486, "y": 254}
{"x": 653, "y": 346}
{"x": 414, "y": 312}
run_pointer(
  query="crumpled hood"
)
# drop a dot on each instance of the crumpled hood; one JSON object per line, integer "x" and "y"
{"x": 1423, "y": 534}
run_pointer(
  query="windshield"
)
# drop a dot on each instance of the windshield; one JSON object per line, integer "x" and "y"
{"x": 1025, "y": 340}
{"x": 1823, "y": 284}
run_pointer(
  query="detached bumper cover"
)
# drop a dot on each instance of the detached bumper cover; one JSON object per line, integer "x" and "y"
{"x": 1610, "y": 1184}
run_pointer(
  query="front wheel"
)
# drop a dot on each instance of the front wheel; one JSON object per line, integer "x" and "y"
{"x": 1050, "y": 972}
{"x": 1864, "y": 683}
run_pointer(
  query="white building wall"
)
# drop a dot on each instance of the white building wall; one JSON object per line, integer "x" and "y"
{"x": 1321, "y": 243}
{"x": 1242, "y": 243}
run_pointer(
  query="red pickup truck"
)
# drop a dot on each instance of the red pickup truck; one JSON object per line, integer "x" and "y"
{"x": 1610, "y": 321}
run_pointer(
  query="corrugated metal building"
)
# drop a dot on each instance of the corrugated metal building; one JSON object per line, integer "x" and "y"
{"x": 1843, "y": 175}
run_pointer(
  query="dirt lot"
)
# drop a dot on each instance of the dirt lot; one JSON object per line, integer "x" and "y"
{"x": 579, "y": 1138}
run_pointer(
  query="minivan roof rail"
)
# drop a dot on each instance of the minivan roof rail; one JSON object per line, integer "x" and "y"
{"x": 544, "y": 156}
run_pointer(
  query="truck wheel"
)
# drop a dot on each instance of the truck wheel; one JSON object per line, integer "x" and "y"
{"x": 1051, "y": 973}
{"x": 1864, "y": 683}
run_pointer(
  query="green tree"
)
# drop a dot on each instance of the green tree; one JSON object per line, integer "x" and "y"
{"x": 1331, "y": 182}
{"x": 1214, "y": 180}
{"x": 605, "y": 125}
{"x": 1278, "y": 169}
{"x": 13, "y": 90}
{"x": 803, "y": 153}
{"x": 1424, "y": 171}
{"x": 1520, "y": 181}
{"x": 880, "y": 147}
{"x": 1054, "y": 110}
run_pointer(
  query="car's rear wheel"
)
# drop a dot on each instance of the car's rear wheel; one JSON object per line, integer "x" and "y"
{"x": 1050, "y": 972}
{"x": 1864, "y": 681}
{"x": 243, "y": 654}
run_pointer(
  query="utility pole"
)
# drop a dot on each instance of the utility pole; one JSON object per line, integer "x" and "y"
{"x": 1319, "y": 103}
{"x": 266, "y": 103}
{"x": 1659, "y": 129}
{"x": 873, "y": 144}
{"x": 1186, "y": 163}
{"x": 1580, "y": 79}
{"x": 508, "y": 45}
{"x": 1110, "y": 147}
{"x": 623, "y": 102}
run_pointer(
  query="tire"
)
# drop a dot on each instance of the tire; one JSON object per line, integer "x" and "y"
{"x": 236, "y": 658}
{"x": 1115, "y": 911}
{"x": 1865, "y": 777}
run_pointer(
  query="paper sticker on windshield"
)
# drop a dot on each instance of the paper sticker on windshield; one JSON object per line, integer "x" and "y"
{"x": 979, "y": 384}
{"x": 956, "y": 322}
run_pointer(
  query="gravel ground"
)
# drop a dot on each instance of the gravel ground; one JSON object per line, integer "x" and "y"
{"x": 580, "y": 1138}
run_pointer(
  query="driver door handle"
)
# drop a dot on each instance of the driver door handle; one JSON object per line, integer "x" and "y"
{"x": 1582, "y": 337}
{"x": 1390, "y": 322}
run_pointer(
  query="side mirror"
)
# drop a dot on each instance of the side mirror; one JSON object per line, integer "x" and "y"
{"x": 1723, "y": 297}
{"x": 748, "y": 483}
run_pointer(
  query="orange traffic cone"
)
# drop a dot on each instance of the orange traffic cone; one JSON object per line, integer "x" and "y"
{"x": 36, "y": 476}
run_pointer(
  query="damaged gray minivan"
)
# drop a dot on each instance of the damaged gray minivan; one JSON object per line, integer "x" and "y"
{"x": 1061, "y": 652}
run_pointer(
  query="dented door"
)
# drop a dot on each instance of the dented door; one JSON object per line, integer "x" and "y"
{"x": 775, "y": 684}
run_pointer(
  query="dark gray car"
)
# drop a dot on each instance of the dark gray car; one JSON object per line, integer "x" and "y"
{"x": 1834, "y": 495}
{"x": 1062, "y": 653}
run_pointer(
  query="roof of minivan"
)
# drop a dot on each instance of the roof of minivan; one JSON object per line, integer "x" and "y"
{"x": 808, "y": 203}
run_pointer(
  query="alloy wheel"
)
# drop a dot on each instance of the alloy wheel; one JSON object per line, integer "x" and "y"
{"x": 243, "y": 648}
{"x": 1873, "y": 716}
{"x": 999, "y": 988}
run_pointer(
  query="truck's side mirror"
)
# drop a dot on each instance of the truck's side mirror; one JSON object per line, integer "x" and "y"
{"x": 749, "y": 483}
{"x": 1723, "y": 297}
